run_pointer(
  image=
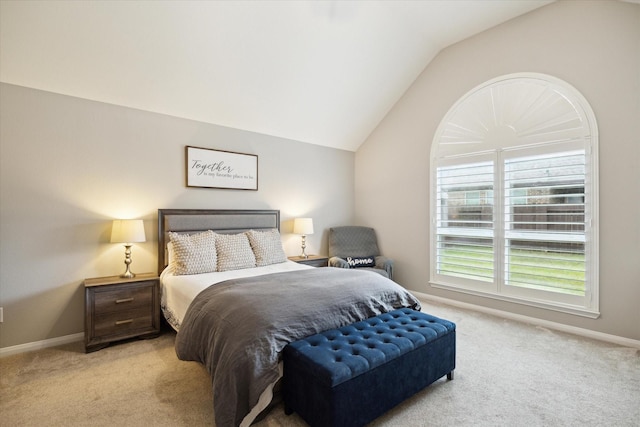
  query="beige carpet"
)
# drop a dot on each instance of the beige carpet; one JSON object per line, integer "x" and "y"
{"x": 507, "y": 374}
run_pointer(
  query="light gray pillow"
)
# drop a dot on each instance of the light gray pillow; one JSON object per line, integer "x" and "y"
{"x": 234, "y": 252}
{"x": 193, "y": 253}
{"x": 267, "y": 247}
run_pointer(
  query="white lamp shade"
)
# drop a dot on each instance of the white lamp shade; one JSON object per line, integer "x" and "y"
{"x": 127, "y": 231}
{"x": 303, "y": 226}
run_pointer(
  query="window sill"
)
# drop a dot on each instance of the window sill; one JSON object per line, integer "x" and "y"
{"x": 547, "y": 305}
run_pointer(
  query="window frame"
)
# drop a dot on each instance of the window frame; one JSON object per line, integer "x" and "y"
{"x": 587, "y": 305}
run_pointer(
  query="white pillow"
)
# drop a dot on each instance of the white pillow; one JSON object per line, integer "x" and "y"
{"x": 267, "y": 247}
{"x": 234, "y": 252}
{"x": 194, "y": 253}
{"x": 171, "y": 258}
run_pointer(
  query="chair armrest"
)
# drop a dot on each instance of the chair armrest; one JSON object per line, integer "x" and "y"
{"x": 385, "y": 264}
{"x": 338, "y": 262}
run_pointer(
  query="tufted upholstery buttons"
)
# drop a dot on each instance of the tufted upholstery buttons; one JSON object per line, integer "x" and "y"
{"x": 346, "y": 352}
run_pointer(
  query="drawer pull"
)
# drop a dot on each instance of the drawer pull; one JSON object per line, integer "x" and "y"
{"x": 120, "y": 301}
{"x": 123, "y": 322}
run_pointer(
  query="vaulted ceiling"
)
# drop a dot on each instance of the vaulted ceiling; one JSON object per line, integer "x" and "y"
{"x": 320, "y": 72}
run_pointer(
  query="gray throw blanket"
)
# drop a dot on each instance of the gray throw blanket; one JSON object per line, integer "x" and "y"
{"x": 237, "y": 328}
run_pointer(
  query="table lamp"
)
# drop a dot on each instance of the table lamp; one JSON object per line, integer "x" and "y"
{"x": 127, "y": 231}
{"x": 303, "y": 226}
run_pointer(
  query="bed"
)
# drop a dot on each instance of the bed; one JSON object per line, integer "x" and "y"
{"x": 237, "y": 321}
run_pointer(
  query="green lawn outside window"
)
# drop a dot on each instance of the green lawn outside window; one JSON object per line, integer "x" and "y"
{"x": 560, "y": 272}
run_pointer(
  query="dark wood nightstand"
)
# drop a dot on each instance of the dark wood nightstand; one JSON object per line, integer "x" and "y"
{"x": 312, "y": 260}
{"x": 116, "y": 308}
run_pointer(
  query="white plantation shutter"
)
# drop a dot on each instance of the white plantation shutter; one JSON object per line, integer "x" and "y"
{"x": 465, "y": 221}
{"x": 514, "y": 196}
{"x": 544, "y": 224}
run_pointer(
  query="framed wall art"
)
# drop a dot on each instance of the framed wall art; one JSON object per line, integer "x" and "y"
{"x": 221, "y": 169}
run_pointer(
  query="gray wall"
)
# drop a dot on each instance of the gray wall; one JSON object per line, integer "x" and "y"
{"x": 69, "y": 166}
{"x": 594, "y": 46}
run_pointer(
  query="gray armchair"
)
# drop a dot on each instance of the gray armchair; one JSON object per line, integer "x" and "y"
{"x": 357, "y": 242}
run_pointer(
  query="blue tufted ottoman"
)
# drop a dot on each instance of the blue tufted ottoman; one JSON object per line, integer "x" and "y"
{"x": 351, "y": 375}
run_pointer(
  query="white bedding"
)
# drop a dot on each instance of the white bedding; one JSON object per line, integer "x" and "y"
{"x": 177, "y": 292}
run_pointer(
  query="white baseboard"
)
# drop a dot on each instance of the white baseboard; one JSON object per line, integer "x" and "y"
{"x": 39, "y": 345}
{"x": 626, "y": 342}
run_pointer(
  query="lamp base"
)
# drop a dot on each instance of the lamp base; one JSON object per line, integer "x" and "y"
{"x": 127, "y": 261}
{"x": 304, "y": 245}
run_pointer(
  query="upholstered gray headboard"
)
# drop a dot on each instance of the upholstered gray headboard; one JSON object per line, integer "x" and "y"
{"x": 219, "y": 220}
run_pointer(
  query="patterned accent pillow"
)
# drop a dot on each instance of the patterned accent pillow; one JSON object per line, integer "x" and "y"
{"x": 193, "y": 253}
{"x": 361, "y": 261}
{"x": 234, "y": 252}
{"x": 267, "y": 247}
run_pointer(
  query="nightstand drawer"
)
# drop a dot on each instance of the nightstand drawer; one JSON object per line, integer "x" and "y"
{"x": 312, "y": 260}
{"x": 122, "y": 322}
{"x": 125, "y": 297}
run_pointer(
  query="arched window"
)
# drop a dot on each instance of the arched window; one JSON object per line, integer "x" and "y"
{"x": 514, "y": 195}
